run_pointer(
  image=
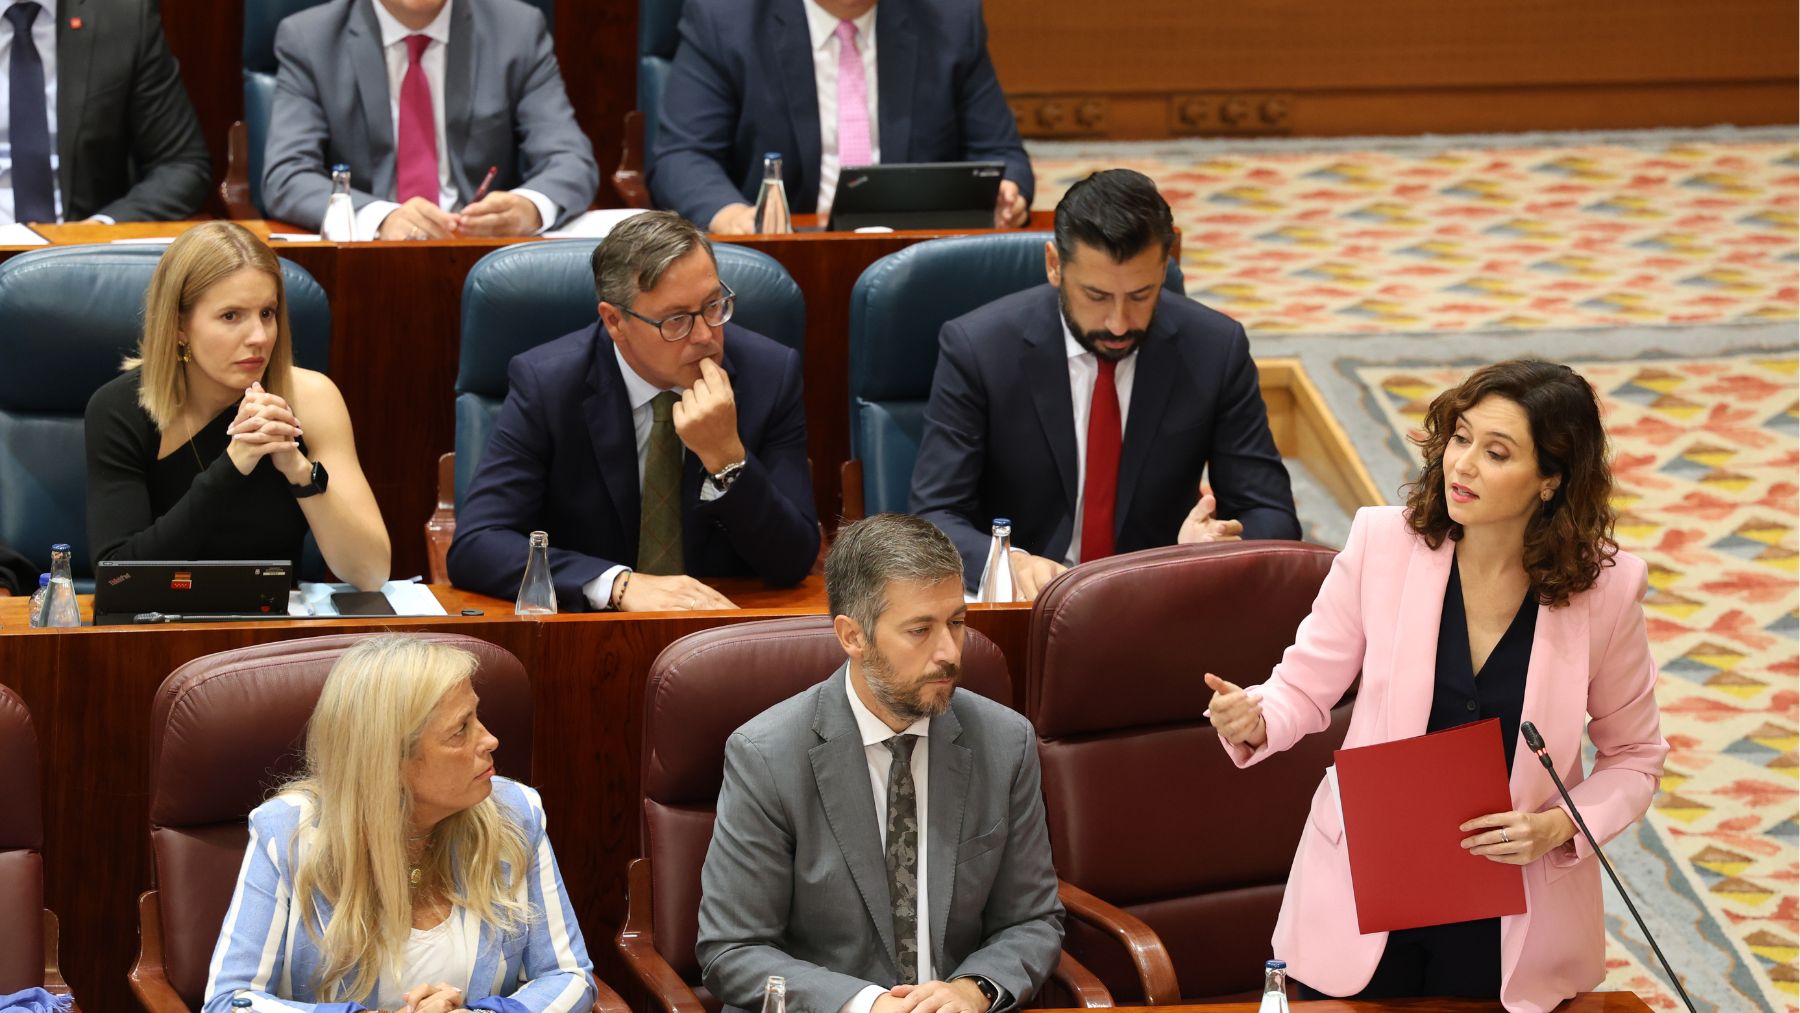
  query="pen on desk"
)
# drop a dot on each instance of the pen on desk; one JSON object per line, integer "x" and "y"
{"x": 486, "y": 181}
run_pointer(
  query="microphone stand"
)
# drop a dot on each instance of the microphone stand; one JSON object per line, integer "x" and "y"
{"x": 1536, "y": 743}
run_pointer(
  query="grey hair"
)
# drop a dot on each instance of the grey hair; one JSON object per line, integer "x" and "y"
{"x": 633, "y": 257}
{"x": 875, "y": 550}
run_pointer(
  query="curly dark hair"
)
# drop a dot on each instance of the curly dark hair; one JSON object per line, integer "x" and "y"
{"x": 1571, "y": 538}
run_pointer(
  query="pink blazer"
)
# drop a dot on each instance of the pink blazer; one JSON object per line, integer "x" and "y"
{"x": 1377, "y": 613}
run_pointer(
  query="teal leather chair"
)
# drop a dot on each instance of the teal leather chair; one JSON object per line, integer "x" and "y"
{"x": 68, "y": 316}
{"x": 896, "y": 310}
{"x": 261, "y": 17}
{"x": 519, "y": 297}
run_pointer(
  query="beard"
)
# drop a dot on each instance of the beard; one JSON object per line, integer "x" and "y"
{"x": 1089, "y": 340}
{"x": 908, "y": 702}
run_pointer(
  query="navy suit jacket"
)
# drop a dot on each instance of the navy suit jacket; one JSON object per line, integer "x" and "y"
{"x": 742, "y": 85}
{"x": 563, "y": 460}
{"x": 999, "y": 437}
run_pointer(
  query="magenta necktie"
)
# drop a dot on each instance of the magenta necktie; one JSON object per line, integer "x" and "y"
{"x": 416, "y": 145}
{"x": 853, "y": 100}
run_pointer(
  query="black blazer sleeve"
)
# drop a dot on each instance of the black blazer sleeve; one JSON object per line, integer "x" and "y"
{"x": 988, "y": 126}
{"x": 768, "y": 513}
{"x": 698, "y": 122}
{"x": 1247, "y": 475}
{"x": 952, "y": 450}
{"x": 121, "y": 445}
{"x": 146, "y": 118}
{"x": 506, "y": 500}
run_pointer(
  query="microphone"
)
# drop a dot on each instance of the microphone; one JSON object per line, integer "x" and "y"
{"x": 1535, "y": 742}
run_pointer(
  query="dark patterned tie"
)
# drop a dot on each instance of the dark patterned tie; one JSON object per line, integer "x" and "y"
{"x": 659, "y": 518}
{"x": 903, "y": 857}
{"x": 34, "y": 194}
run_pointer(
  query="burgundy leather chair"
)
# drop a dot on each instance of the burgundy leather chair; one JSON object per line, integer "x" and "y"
{"x": 701, "y": 688}
{"x": 225, "y": 730}
{"x": 27, "y": 928}
{"x": 1173, "y": 861}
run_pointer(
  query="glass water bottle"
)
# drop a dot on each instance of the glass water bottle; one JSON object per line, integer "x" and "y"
{"x": 998, "y": 582}
{"x": 537, "y": 597}
{"x": 60, "y": 606}
{"x": 775, "y": 995}
{"x": 340, "y": 211}
{"x": 1274, "y": 998}
{"x": 34, "y": 615}
{"x": 771, "y": 200}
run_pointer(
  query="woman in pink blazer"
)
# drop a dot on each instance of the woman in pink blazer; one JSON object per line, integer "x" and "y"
{"x": 1497, "y": 591}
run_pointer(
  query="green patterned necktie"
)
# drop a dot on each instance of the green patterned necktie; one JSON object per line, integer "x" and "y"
{"x": 659, "y": 515}
{"x": 903, "y": 856}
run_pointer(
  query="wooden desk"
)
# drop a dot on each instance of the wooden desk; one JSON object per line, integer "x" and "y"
{"x": 90, "y": 691}
{"x": 396, "y": 328}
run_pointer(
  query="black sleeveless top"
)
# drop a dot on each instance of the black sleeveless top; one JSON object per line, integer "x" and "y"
{"x": 192, "y": 504}
{"x": 1458, "y": 697}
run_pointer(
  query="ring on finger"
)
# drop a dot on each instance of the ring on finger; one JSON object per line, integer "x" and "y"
{"x": 1504, "y": 838}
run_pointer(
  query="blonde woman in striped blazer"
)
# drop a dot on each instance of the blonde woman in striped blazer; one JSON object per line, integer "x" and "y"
{"x": 429, "y": 884}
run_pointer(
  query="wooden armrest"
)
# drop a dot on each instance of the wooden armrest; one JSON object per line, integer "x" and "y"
{"x": 440, "y": 527}
{"x": 636, "y": 944}
{"x": 53, "y": 979}
{"x": 1155, "y": 971}
{"x": 234, "y": 189}
{"x": 1083, "y": 985}
{"x": 608, "y": 1001}
{"x": 850, "y": 483}
{"x": 628, "y": 178}
{"x": 148, "y": 981}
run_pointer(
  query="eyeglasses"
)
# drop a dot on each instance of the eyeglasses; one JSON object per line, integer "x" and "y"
{"x": 677, "y": 326}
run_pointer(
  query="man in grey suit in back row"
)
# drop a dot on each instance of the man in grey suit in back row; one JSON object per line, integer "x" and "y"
{"x": 880, "y": 840}
{"x": 420, "y": 98}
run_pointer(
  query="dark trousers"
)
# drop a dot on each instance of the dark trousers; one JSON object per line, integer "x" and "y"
{"x": 1461, "y": 959}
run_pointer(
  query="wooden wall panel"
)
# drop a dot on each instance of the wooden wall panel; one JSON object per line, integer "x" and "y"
{"x": 1402, "y": 66}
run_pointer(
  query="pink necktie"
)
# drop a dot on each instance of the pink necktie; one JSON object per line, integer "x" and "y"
{"x": 853, "y": 100}
{"x": 416, "y": 145}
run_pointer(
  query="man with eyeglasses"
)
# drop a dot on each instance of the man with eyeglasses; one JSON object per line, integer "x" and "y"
{"x": 658, "y": 445}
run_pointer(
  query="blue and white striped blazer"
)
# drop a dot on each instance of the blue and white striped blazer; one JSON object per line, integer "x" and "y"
{"x": 266, "y": 954}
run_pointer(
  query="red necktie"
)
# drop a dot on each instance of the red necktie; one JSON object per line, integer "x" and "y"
{"x": 1099, "y": 490}
{"x": 416, "y": 143}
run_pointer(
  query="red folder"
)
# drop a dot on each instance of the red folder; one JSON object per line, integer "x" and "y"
{"x": 1403, "y": 802}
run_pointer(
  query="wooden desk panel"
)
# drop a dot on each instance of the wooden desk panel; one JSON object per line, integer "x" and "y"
{"x": 90, "y": 692}
{"x": 396, "y": 328}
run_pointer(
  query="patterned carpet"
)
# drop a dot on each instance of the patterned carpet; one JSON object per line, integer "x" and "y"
{"x": 1662, "y": 267}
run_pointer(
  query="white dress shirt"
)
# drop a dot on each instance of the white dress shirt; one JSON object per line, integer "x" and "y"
{"x": 821, "y": 25}
{"x": 432, "y": 62}
{"x": 446, "y": 952}
{"x": 1083, "y": 369}
{"x": 640, "y": 392}
{"x": 43, "y": 33}
{"x": 875, "y": 734}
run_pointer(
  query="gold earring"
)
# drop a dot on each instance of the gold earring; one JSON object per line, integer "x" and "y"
{"x": 181, "y": 351}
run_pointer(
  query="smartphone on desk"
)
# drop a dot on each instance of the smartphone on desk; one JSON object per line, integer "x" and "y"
{"x": 357, "y": 604}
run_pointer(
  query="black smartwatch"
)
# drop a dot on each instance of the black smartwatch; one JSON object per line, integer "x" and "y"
{"x": 988, "y": 989}
{"x": 319, "y": 480}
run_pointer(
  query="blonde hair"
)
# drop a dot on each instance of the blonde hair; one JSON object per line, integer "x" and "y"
{"x": 370, "y": 717}
{"x": 193, "y": 263}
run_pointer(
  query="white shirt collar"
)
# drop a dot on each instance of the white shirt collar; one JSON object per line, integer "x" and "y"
{"x": 392, "y": 31}
{"x": 821, "y": 24}
{"x": 874, "y": 730}
{"x": 1073, "y": 347}
{"x": 639, "y": 390}
{"x": 49, "y": 15}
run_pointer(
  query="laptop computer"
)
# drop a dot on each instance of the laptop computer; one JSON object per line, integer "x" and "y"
{"x": 920, "y": 195}
{"x": 193, "y": 589}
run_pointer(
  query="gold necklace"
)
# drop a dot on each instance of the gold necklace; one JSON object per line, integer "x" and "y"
{"x": 189, "y": 423}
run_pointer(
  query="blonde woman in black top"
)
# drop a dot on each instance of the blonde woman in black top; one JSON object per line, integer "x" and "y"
{"x": 198, "y": 450}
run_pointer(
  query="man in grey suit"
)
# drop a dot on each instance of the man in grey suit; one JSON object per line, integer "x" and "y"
{"x": 880, "y": 840}
{"x": 421, "y": 98}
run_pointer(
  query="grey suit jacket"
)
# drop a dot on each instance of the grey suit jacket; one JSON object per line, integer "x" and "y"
{"x": 128, "y": 141}
{"x": 795, "y": 881}
{"x": 504, "y": 106}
